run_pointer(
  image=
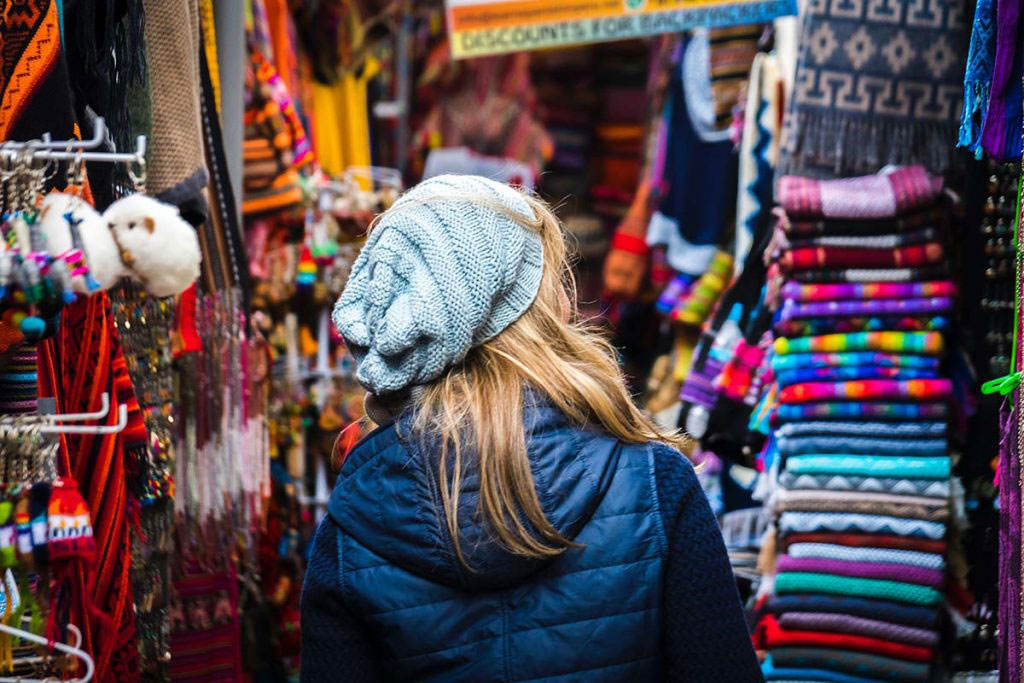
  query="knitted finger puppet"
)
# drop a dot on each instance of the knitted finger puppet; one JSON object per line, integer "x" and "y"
{"x": 76, "y": 233}
{"x": 158, "y": 248}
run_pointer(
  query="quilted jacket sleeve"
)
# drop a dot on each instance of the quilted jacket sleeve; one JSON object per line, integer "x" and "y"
{"x": 705, "y": 634}
{"x": 335, "y": 646}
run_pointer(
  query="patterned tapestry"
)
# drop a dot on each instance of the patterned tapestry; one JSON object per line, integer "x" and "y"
{"x": 878, "y": 82}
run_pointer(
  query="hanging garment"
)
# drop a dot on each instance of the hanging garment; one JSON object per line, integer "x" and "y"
{"x": 35, "y": 96}
{"x": 691, "y": 218}
{"x": 762, "y": 128}
{"x": 876, "y": 84}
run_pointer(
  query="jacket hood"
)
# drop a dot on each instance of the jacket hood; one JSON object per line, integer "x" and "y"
{"x": 388, "y": 499}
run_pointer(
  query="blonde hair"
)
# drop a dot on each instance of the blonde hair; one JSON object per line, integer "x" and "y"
{"x": 477, "y": 406}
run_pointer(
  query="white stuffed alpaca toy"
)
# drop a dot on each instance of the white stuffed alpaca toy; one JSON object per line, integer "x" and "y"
{"x": 158, "y": 248}
{"x": 101, "y": 253}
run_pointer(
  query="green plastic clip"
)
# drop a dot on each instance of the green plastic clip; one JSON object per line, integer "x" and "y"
{"x": 1002, "y": 385}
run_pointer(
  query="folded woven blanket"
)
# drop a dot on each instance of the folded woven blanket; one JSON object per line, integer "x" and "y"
{"x": 884, "y": 241}
{"x": 866, "y": 307}
{"x": 856, "y": 445}
{"x": 921, "y": 576}
{"x": 792, "y": 674}
{"x": 869, "y": 291}
{"x": 859, "y": 257}
{"x": 810, "y": 227}
{"x": 814, "y": 327}
{"x": 834, "y": 551}
{"x": 845, "y": 522}
{"x": 844, "y": 482}
{"x": 905, "y": 429}
{"x": 933, "y": 488}
{"x": 868, "y": 389}
{"x": 844, "y": 623}
{"x": 787, "y": 378}
{"x": 863, "y": 540}
{"x": 883, "y": 195}
{"x": 774, "y": 636}
{"x": 878, "y": 410}
{"x": 880, "y": 610}
{"x": 867, "y": 664}
{"x": 784, "y": 495}
{"x": 803, "y": 582}
{"x": 904, "y": 510}
{"x": 871, "y": 465}
{"x": 908, "y": 342}
{"x": 792, "y": 361}
{"x": 935, "y": 271}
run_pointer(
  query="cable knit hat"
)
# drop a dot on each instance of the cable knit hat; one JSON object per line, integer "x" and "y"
{"x": 444, "y": 270}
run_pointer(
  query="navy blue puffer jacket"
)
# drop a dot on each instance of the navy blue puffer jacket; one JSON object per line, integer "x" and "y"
{"x": 386, "y": 599}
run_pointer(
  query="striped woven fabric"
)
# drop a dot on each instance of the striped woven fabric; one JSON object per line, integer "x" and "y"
{"x": 875, "y": 410}
{"x": 934, "y": 488}
{"x": 871, "y": 666}
{"x": 848, "y": 554}
{"x": 871, "y": 465}
{"x": 902, "y": 510}
{"x": 897, "y": 342}
{"x": 865, "y": 570}
{"x": 857, "y": 307}
{"x": 813, "y": 443}
{"x": 844, "y": 623}
{"x": 799, "y": 522}
{"x": 811, "y": 327}
{"x": 797, "y": 291}
{"x": 805, "y": 582}
{"x": 852, "y": 358}
{"x": 868, "y": 389}
{"x": 880, "y": 610}
{"x": 787, "y": 378}
{"x": 907, "y": 429}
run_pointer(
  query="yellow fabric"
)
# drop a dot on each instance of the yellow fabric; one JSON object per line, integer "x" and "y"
{"x": 686, "y": 342}
{"x": 341, "y": 128}
{"x": 209, "y": 30}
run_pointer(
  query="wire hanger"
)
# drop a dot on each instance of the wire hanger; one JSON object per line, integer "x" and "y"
{"x": 122, "y": 422}
{"x": 81, "y": 417}
{"x": 77, "y": 652}
{"x": 380, "y": 174}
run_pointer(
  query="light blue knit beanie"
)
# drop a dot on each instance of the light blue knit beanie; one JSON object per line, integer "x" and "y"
{"x": 443, "y": 271}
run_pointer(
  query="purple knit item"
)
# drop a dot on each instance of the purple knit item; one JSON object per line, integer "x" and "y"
{"x": 863, "y": 570}
{"x": 844, "y": 623}
{"x": 698, "y": 388}
{"x": 1009, "y": 547}
{"x": 938, "y": 304}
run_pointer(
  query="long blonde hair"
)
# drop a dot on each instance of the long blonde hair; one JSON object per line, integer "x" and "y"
{"x": 477, "y": 406}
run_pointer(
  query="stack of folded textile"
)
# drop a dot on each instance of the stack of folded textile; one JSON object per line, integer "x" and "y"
{"x": 860, "y": 430}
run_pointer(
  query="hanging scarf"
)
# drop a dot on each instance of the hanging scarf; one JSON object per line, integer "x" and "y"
{"x": 978, "y": 76}
{"x": 876, "y": 87}
{"x": 1001, "y": 134}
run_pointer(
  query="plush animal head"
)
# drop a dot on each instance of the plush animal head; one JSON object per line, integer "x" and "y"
{"x": 100, "y": 254}
{"x": 157, "y": 246}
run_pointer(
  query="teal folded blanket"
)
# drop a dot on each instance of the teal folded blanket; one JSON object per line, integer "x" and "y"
{"x": 904, "y": 466}
{"x": 806, "y": 582}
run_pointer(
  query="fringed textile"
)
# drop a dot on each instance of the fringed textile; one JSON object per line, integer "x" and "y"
{"x": 84, "y": 360}
{"x": 877, "y": 83}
